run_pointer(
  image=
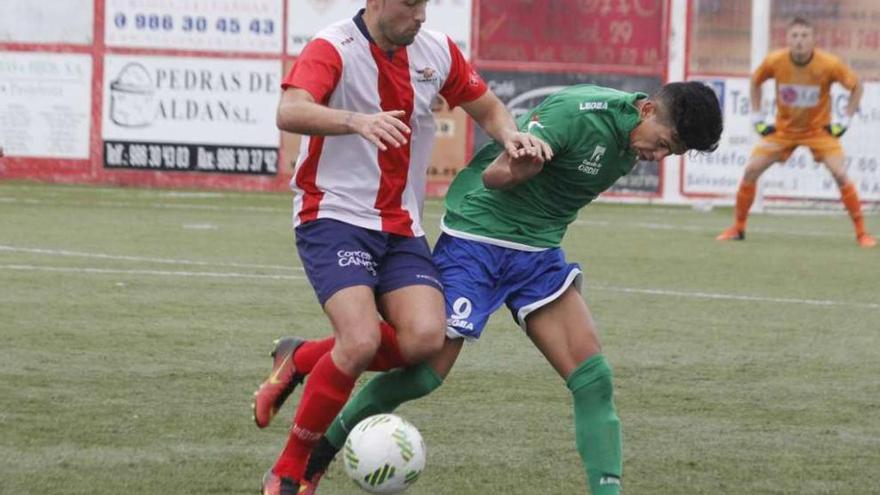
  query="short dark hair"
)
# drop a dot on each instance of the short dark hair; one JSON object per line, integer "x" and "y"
{"x": 693, "y": 109}
{"x": 800, "y": 21}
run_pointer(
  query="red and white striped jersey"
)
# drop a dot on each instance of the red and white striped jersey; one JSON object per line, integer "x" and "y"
{"x": 348, "y": 178}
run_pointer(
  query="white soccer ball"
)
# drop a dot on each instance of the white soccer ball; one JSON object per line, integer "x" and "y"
{"x": 384, "y": 454}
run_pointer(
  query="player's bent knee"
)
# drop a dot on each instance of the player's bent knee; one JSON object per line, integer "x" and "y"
{"x": 594, "y": 375}
{"x": 359, "y": 347}
{"x": 422, "y": 341}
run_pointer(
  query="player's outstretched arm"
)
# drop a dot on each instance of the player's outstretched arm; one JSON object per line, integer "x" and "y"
{"x": 491, "y": 114}
{"x": 298, "y": 112}
{"x": 506, "y": 172}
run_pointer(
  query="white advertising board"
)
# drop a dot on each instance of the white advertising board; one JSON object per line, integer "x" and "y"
{"x": 45, "y": 104}
{"x": 719, "y": 173}
{"x": 47, "y": 21}
{"x": 307, "y": 17}
{"x": 214, "y": 25}
{"x": 191, "y": 114}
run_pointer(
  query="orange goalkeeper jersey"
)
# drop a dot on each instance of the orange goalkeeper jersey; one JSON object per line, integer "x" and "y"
{"x": 803, "y": 102}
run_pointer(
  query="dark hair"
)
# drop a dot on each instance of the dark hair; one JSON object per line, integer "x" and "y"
{"x": 800, "y": 21}
{"x": 693, "y": 108}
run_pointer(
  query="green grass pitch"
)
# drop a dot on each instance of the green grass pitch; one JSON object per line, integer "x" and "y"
{"x": 136, "y": 324}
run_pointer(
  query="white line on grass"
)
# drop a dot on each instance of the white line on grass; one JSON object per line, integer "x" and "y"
{"x": 733, "y": 297}
{"x": 576, "y": 223}
{"x": 169, "y": 261}
{"x": 107, "y": 271}
{"x": 629, "y": 290}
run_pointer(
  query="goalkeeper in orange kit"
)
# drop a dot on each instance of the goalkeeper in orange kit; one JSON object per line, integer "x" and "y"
{"x": 803, "y": 75}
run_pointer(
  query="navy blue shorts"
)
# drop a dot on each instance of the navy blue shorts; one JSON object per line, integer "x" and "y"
{"x": 337, "y": 255}
{"x": 479, "y": 277}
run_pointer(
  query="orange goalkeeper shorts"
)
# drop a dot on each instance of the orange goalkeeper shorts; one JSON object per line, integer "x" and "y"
{"x": 821, "y": 144}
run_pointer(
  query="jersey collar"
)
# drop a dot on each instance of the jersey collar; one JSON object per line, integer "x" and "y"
{"x": 362, "y": 27}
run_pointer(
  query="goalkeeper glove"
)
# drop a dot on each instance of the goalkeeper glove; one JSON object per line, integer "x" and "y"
{"x": 837, "y": 129}
{"x": 762, "y": 127}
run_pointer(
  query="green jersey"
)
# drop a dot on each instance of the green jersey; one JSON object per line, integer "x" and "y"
{"x": 588, "y": 129}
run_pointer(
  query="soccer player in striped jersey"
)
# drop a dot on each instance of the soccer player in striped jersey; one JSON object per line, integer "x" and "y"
{"x": 803, "y": 75}
{"x": 504, "y": 223}
{"x": 361, "y": 92}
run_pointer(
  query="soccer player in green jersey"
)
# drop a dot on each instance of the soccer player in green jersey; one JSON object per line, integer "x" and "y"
{"x": 505, "y": 219}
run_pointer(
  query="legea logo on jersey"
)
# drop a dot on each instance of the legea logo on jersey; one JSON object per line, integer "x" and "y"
{"x": 591, "y": 165}
{"x": 799, "y": 95}
{"x": 356, "y": 259}
{"x": 461, "y": 311}
{"x": 586, "y": 106}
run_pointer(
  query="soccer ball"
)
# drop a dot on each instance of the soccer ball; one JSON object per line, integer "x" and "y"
{"x": 384, "y": 454}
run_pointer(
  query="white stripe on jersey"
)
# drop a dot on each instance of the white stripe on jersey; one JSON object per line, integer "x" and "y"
{"x": 348, "y": 172}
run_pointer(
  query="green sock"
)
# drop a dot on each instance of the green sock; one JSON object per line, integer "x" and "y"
{"x": 596, "y": 425}
{"x": 383, "y": 394}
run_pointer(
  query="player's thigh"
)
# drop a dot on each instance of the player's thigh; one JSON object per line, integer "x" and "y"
{"x": 417, "y": 309}
{"x": 340, "y": 261}
{"x": 411, "y": 297}
{"x": 769, "y": 150}
{"x": 564, "y": 332}
{"x": 353, "y": 314}
{"x": 759, "y": 162}
{"x": 827, "y": 149}
{"x": 409, "y": 290}
{"x": 548, "y": 306}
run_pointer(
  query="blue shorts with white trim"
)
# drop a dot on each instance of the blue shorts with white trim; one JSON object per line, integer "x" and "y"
{"x": 478, "y": 277}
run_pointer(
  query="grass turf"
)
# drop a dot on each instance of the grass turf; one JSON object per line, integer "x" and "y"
{"x": 137, "y": 323}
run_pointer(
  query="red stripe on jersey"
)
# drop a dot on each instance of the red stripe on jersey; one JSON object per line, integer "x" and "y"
{"x": 317, "y": 70}
{"x": 395, "y": 93}
{"x": 305, "y": 180}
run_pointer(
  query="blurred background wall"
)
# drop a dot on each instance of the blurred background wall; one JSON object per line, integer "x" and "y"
{"x": 182, "y": 93}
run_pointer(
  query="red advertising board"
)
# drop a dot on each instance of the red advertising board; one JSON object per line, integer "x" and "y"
{"x": 614, "y": 35}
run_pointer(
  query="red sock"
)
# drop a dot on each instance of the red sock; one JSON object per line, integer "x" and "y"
{"x": 744, "y": 198}
{"x": 850, "y": 198}
{"x": 310, "y": 352}
{"x": 387, "y": 357}
{"x": 325, "y": 393}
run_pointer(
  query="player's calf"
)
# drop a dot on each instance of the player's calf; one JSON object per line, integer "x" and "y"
{"x": 597, "y": 427}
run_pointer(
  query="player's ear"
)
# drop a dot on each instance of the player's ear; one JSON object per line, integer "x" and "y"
{"x": 648, "y": 109}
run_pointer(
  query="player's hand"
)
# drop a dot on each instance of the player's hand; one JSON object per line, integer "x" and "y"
{"x": 382, "y": 129}
{"x": 522, "y": 144}
{"x": 837, "y": 129}
{"x": 761, "y": 126}
{"x": 764, "y": 128}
